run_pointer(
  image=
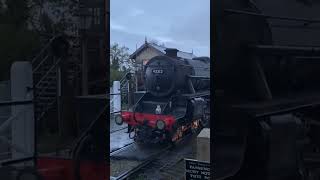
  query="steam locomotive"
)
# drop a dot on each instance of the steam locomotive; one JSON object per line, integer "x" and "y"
{"x": 177, "y": 99}
{"x": 267, "y": 92}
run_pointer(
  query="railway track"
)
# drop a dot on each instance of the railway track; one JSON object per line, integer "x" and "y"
{"x": 121, "y": 149}
{"x": 169, "y": 165}
{"x": 119, "y": 140}
{"x": 166, "y": 161}
{"x": 128, "y": 165}
{"x": 164, "y": 167}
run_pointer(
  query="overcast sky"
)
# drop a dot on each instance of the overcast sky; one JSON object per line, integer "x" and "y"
{"x": 183, "y": 24}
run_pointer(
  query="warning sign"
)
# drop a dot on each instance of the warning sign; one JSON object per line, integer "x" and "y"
{"x": 197, "y": 169}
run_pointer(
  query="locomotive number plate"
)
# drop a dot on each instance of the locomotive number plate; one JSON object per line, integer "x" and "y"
{"x": 157, "y": 71}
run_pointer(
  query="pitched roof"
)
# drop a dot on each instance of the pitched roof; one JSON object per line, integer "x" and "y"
{"x": 161, "y": 49}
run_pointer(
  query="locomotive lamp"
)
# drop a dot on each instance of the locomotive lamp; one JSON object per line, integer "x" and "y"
{"x": 160, "y": 124}
{"x": 158, "y": 109}
{"x": 118, "y": 119}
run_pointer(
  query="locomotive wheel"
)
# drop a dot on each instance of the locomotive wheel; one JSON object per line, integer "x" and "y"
{"x": 138, "y": 139}
{"x": 133, "y": 133}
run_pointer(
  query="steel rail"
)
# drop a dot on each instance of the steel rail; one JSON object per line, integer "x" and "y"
{"x": 112, "y": 153}
{"x": 141, "y": 165}
{"x": 152, "y": 157}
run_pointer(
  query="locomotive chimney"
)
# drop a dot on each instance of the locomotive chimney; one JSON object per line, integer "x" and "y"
{"x": 171, "y": 52}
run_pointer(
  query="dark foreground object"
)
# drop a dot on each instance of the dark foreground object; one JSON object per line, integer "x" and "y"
{"x": 267, "y": 98}
{"x": 88, "y": 157}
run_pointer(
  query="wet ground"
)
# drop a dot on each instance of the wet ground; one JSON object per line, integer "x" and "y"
{"x": 114, "y": 126}
{"x": 118, "y": 136}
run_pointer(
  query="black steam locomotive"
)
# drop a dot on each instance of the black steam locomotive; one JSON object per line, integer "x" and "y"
{"x": 176, "y": 101}
{"x": 267, "y": 91}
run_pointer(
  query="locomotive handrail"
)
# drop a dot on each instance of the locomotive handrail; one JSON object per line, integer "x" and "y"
{"x": 281, "y": 111}
{"x": 200, "y": 77}
{"x": 166, "y": 106}
{"x": 279, "y": 50}
{"x": 309, "y": 21}
{"x": 286, "y": 110}
{"x": 166, "y": 66}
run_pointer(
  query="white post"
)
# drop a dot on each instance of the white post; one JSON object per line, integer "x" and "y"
{"x": 203, "y": 145}
{"x": 116, "y": 96}
{"x": 23, "y": 125}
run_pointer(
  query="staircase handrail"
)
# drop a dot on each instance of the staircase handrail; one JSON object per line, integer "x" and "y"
{"x": 47, "y": 73}
{"x": 43, "y": 90}
{"x": 124, "y": 77}
{"x": 43, "y": 50}
{"x": 39, "y": 65}
{"x": 46, "y": 109}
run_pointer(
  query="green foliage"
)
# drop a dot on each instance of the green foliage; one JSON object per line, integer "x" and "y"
{"x": 119, "y": 57}
{"x": 116, "y": 75}
{"x": 21, "y": 42}
{"x": 21, "y": 26}
{"x": 17, "y": 42}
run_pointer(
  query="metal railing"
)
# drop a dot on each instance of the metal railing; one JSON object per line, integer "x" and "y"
{"x": 124, "y": 92}
{"x": 4, "y": 140}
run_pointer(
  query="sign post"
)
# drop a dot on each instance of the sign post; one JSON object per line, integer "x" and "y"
{"x": 197, "y": 170}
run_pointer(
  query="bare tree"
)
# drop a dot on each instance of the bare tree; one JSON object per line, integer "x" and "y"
{"x": 156, "y": 42}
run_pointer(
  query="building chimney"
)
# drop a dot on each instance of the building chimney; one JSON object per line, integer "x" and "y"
{"x": 171, "y": 52}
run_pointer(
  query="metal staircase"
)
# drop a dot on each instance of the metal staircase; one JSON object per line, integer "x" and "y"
{"x": 45, "y": 78}
{"x": 44, "y": 67}
{"x": 124, "y": 88}
{"x": 124, "y": 93}
{"x": 124, "y": 85}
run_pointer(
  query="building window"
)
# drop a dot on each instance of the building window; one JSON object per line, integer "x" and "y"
{"x": 96, "y": 16}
